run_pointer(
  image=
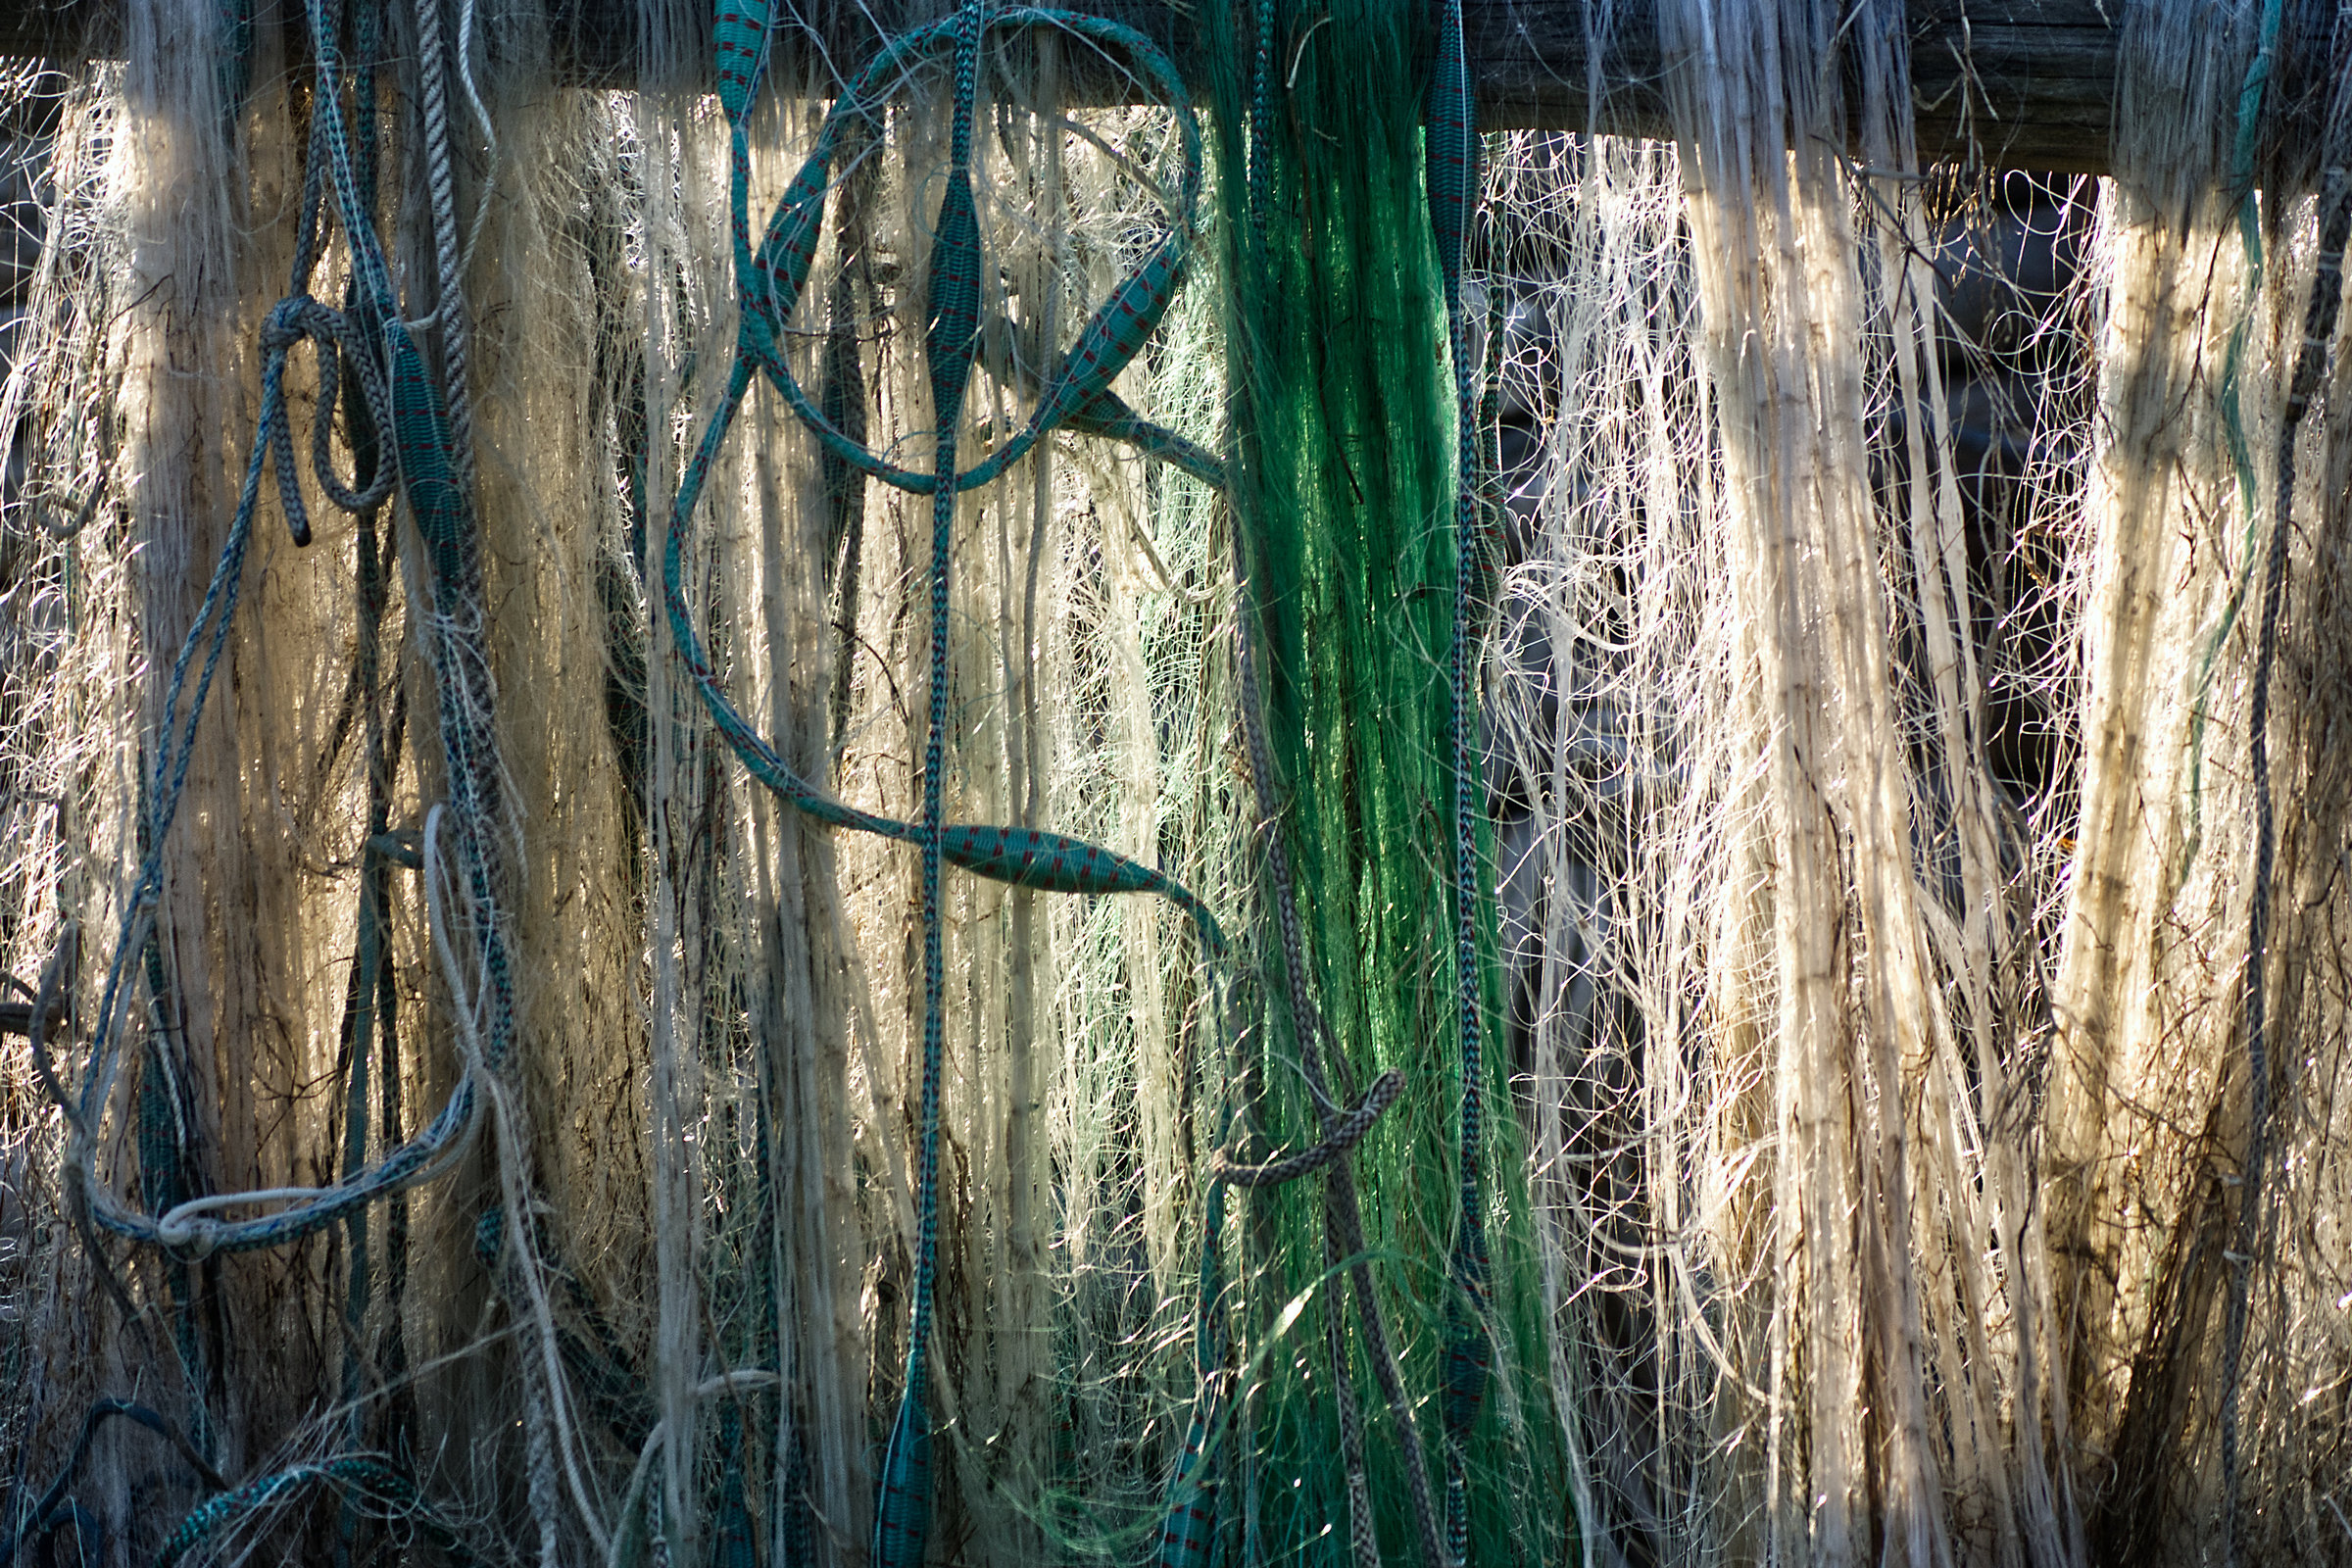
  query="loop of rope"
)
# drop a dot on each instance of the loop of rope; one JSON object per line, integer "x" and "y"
{"x": 410, "y": 406}
{"x": 46, "y": 1512}
{"x": 360, "y": 1475}
{"x": 769, "y": 280}
{"x": 293, "y": 320}
{"x": 1343, "y": 1216}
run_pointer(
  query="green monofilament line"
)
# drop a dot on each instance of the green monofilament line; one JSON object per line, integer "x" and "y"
{"x": 1343, "y": 483}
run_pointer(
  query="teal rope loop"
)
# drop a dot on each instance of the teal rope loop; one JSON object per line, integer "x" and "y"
{"x": 54, "y": 1508}
{"x": 1346, "y": 1133}
{"x": 362, "y": 1475}
{"x": 770, "y": 280}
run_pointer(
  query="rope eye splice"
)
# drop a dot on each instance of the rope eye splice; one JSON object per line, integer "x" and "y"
{"x": 1077, "y": 397}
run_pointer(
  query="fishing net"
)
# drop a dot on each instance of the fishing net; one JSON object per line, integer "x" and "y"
{"x": 1000, "y": 789}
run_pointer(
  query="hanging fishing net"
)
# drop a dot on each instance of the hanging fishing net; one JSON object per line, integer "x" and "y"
{"x": 1001, "y": 786}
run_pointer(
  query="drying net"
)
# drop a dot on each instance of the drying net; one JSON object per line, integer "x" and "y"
{"x": 981, "y": 792}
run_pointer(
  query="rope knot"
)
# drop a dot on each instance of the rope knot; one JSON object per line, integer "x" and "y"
{"x": 188, "y": 1238}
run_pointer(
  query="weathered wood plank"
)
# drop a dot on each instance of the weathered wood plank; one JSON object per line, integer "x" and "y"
{"x": 2008, "y": 83}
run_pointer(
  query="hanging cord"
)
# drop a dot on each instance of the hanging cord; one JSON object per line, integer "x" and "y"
{"x": 626, "y": 1537}
{"x": 448, "y": 305}
{"x": 2250, "y": 94}
{"x": 45, "y": 1513}
{"x": 401, "y": 398}
{"x": 370, "y": 998}
{"x": 1188, "y": 1533}
{"x": 360, "y": 1475}
{"x": 551, "y": 1432}
{"x": 1342, "y": 1214}
{"x": 770, "y": 281}
{"x": 1453, "y": 147}
{"x": 902, "y": 1515}
{"x": 1345, "y": 1132}
{"x": 2311, "y": 368}
{"x": 1187, "y": 1536}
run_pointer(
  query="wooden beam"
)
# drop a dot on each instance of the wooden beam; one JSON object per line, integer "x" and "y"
{"x": 2003, "y": 83}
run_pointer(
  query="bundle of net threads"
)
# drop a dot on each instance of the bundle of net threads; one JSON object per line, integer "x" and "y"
{"x": 1342, "y": 484}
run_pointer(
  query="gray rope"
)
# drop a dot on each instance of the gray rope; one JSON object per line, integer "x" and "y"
{"x": 448, "y": 305}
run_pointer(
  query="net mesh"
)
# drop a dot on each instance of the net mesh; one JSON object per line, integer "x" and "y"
{"x": 1905, "y": 901}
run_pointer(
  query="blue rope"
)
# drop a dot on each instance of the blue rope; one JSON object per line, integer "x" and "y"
{"x": 54, "y": 1509}
{"x": 355, "y": 1475}
{"x": 2311, "y": 368}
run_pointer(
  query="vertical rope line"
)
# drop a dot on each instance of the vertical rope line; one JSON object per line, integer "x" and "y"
{"x": 903, "y": 1518}
{"x": 1452, "y": 152}
{"x": 2311, "y": 360}
{"x": 1343, "y": 1215}
{"x": 1306, "y": 1024}
{"x": 449, "y": 303}
{"x": 366, "y": 991}
{"x": 2250, "y": 94}
{"x": 362, "y": 997}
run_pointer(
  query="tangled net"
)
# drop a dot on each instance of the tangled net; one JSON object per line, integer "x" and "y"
{"x": 1715, "y": 757}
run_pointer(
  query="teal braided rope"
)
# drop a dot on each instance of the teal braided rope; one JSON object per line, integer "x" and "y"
{"x": 1187, "y": 1536}
{"x": 1108, "y": 416}
{"x": 1261, "y": 120}
{"x": 370, "y": 987}
{"x": 903, "y": 1514}
{"x": 770, "y": 279}
{"x": 44, "y": 1508}
{"x": 362, "y": 1475}
{"x": 1346, "y": 1133}
{"x": 1031, "y": 857}
{"x": 2250, "y": 92}
{"x": 1452, "y": 177}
